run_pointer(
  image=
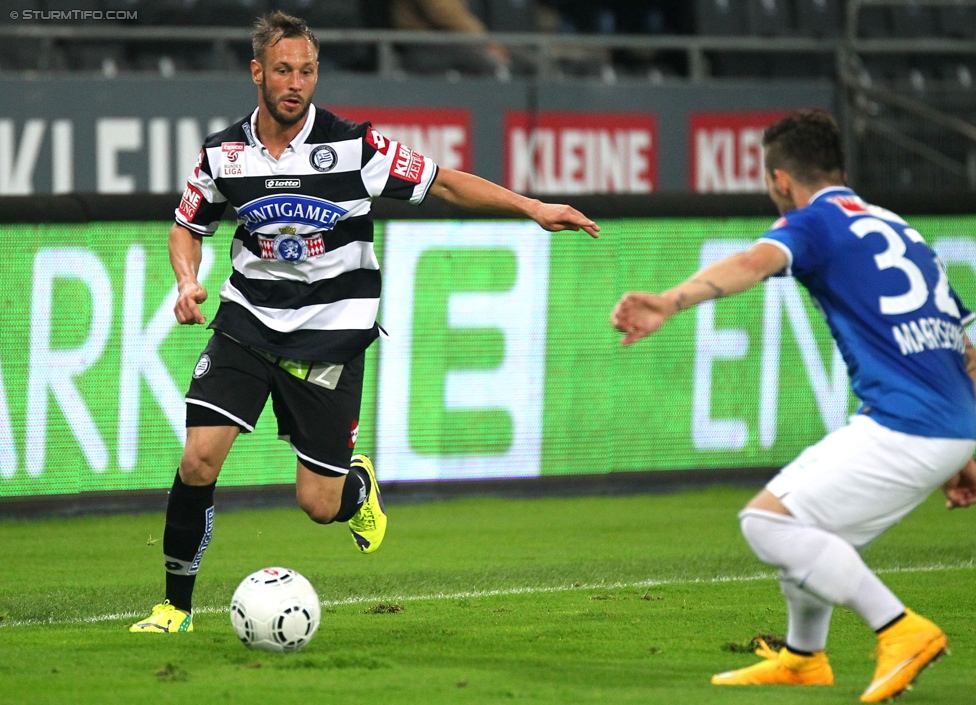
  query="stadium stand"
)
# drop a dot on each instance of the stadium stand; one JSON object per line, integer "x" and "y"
{"x": 770, "y": 18}
{"x": 912, "y": 21}
{"x": 720, "y": 17}
{"x": 815, "y": 19}
{"x": 874, "y": 22}
{"x": 603, "y": 40}
{"x": 957, "y": 22}
{"x": 820, "y": 19}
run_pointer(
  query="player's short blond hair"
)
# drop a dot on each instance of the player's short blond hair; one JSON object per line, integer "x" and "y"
{"x": 271, "y": 29}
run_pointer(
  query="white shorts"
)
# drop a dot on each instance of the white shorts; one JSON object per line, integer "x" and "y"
{"x": 864, "y": 478}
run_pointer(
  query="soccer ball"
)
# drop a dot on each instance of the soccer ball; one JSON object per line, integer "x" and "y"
{"x": 275, "y": 609}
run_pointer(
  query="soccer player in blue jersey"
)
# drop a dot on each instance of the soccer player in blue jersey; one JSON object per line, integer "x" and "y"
{"x": 899, "y": 326}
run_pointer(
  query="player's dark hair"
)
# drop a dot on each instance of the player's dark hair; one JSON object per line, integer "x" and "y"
{"x": 271, "y": 29}
{"x": 807, "y": 146}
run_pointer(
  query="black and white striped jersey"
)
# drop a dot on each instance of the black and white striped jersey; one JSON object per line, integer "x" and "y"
{"x": 305, "y": 281}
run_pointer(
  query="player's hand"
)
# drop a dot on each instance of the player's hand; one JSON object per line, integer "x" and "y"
{"x": 558, "y": 216}
{"x": 638, "y": 315}
{"x": 187, "y": 307}
{"x": 960, "y": 489}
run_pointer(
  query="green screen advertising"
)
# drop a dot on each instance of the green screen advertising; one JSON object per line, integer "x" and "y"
{"x": 500, "y": 360}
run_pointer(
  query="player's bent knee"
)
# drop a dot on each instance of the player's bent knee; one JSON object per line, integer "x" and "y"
{"x": 198, "y": 470}
{"x": 767, "y": 535}
{"x": 318, "y": 511}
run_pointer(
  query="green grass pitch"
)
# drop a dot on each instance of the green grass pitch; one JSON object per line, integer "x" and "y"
{"x": 586, "y": 600}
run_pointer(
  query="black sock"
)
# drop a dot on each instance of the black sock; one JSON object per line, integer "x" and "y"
{"x": 890, "y": 624}
{"x": 798, "y": 652}
{"x": 354, "y": 493}
{"x": 189, "y": 526}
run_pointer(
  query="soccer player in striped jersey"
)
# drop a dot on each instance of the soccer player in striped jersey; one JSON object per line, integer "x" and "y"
{"x": 899, "y": 326}
{"x": 299, "y": 308}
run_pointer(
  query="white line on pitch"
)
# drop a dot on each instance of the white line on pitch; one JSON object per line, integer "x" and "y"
{"x": 936, "y": 567}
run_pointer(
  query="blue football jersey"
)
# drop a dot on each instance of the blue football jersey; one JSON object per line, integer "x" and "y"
{"x": 889, "y": 306}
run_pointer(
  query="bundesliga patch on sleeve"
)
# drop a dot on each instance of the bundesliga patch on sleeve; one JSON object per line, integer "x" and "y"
{"x": 407, "y": 165}
{"x": 232, "y": 149}
{"x": 782, "y": 222}
{"x": 190, "y": 203}
{"x": 377, "y": 141}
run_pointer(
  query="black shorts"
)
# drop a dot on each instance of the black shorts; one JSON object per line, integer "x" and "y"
{"x": 318, "y": 415}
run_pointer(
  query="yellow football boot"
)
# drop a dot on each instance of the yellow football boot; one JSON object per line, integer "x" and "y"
{"x": 904, "y": 649}
{"x": 368, "y": 525}
{"x": 165, "y": 618}
{"x": 780, "y": 668}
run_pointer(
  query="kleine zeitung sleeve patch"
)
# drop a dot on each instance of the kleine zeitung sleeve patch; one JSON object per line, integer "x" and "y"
{"x": 407, "y": 165}
{"x": 190, "y": 203}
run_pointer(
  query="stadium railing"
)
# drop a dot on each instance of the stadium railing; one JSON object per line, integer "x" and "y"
{"x": 907, "y": 98}
{"x": 906, "y": 101}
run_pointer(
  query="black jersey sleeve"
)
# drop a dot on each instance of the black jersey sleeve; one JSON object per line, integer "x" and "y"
{"x": 393, "y": 170}
{"x": 202, "y": 203}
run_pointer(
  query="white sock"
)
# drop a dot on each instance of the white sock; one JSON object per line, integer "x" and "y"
{"x": 809, "y": 618}
{"x": 820, "y": 563}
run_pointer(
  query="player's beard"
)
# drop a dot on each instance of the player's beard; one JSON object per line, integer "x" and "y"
{"x": 272, "y": 105}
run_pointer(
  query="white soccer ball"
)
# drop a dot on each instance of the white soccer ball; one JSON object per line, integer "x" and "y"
{"x": 275, "y": 609}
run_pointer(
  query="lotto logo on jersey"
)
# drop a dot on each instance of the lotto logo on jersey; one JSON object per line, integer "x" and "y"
{"x": 354, "y": 434}
{"x": 196, "y": 169}
{"x": 407, "y": 165}
{"x": 377, "y": 141}
{"x": 190, "y": 203}
{"x": 851, "y": 205}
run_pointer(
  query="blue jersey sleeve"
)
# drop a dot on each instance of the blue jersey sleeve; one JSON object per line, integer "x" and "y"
{"x": 794, "y": 234}
{"x": 965, "y": 315}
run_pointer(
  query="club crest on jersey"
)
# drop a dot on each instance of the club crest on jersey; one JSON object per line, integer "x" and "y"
{"x": 203, "y": 366}
{"x": 289, "y": 209}
{"x": 323, "y": 158}
{"x": 280, "y": 248}
{"x": 290, "y": 247}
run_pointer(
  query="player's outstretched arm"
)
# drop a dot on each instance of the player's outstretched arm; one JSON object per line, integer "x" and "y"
{"x": 639, "y": 314}
{"x": 185, "y": 255}
{"x": 969, "y": 355}
{"x": 469, "y": 191}
{"x": 960, "y": 490}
